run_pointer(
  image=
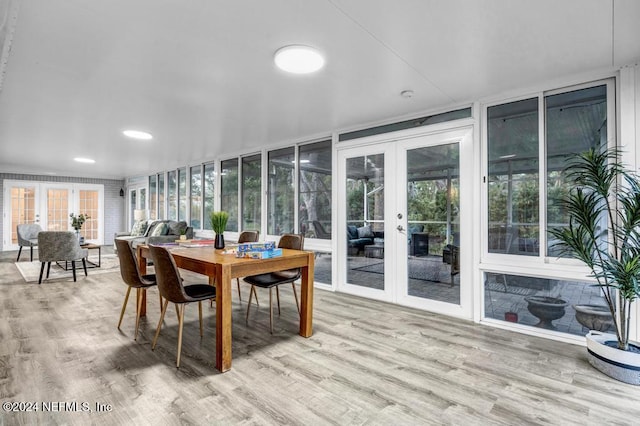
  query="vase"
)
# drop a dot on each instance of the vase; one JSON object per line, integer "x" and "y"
{"x": 604, "y": 355}
{"x": 219, "y": 242}
{"x": 594, "y": 317}
{"x": 546, "y": 309}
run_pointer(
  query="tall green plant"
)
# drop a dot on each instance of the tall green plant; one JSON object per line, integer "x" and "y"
{"x": 605, "y": 192}
{"x": 219, "y": 221}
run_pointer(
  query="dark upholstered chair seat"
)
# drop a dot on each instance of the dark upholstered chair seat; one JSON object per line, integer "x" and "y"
{"x": 199, "y": 292}
{"x": 273, "y": 278}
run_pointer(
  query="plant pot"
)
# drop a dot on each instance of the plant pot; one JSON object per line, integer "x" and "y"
{"x": 594, "y": 317}
{"x": 219, "y": 242}
{"x": 546, "y": 309}
{"x": 605, "y": 356}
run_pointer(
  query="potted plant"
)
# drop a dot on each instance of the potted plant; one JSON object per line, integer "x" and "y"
{"x": 77, "y": 222}
{"x": 219, "y": 224}
{"x": 604, "y": 233}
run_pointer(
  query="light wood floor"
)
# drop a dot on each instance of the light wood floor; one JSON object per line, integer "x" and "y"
{"x": 367, "y": 363}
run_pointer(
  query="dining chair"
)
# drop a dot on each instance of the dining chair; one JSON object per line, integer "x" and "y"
{"x": 248, "y": 237}
{"x": 275, "y": 279}
{"x": 131, "y": 276}
{"x": 57, "y": 246}
{"x": 27, "y": 237}
{"x": 172, "y": 290}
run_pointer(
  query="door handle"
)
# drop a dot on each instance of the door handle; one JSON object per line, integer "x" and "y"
{"x": 400, "y": 228}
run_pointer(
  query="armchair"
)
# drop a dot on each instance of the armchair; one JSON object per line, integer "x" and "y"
{"x": 54, "y": 246}
{"x": 28, "y": 237}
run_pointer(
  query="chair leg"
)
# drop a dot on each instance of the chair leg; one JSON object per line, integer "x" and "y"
{"x": 180, "y": 324}
{"x": 41, "y": 272}
{"x": 295, "y": 294}
{"x": 124, "y": 306}
{"x": 19, "y": 251}
{"x": 249, "y": 305}
{"x": 200, "y": 316}
{"x": 31, "y": 247}
{"x": 48, "y": 268}
{"x": 278, "y": 297}
{"x": 239, "y": 292}
{"x": 140, "y": 292}
{"x": 84, "y": 266}
{"x": 73, "y": 268}
{"x": 164, "y": 311}
{"x": 253, "y": 288}
{"x": 271, "y": 310}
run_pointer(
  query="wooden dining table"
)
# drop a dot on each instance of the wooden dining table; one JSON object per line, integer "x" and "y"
{"x": 221, "y": 268}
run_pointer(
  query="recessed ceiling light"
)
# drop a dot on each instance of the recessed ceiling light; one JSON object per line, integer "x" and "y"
{"x": 407, "y": 93}
{"x": 84, "y": 160}
{"x": 299, "y": 59}
{"x": 136, "y": 134}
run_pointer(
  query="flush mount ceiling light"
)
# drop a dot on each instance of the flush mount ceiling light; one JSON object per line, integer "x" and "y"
{"x": 84, "y": 160}
{"x": 136, "y": 134}
{"x": 299, "y": 59}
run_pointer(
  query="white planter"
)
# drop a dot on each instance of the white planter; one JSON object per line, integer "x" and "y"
{"x": 620, "y": 365}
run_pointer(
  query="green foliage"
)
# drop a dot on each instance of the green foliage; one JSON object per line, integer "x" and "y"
{"x": 78, "y": 221}
{"x": 604, "y": 202}
{"x": 219, "y": 221}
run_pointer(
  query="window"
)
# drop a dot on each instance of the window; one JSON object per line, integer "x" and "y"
{"x": 161, "y": 206}
{"x": 251, "y": 192}
{"x": 314, "y": 182}
{"x": 153, "y": 197}
{"x": 88, "y": 204}
{"x": 512, "y": 134}
{"x": 173, "y": 195}
{"x": 196, "y": 197}
{"x": 229, "y": 191}
{"x": 209, "y": 193}
{"x": 281, "y": 198}
{"x": 182, "y": 194}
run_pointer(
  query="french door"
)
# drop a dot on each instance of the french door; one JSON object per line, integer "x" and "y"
{"x": 404, "y": 205}
{"x": 49, "y": 205}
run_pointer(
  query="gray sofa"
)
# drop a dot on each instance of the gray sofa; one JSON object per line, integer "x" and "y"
{"x": 155, "y": 232}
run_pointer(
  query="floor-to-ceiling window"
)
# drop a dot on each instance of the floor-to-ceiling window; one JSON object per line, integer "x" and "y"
{"x": 281, "y": 191}
{"x": 196, "y": 197}
{"x": 161, "y": 199}
{"x": 314, "y": 182}
{"x": 522, "y": 206}
{"x": 208, "y": 184}
{"x": 172, "y": 190}
{"x": 229, "y": 191}
{"x": 182, "y": 194}
{"x": 251, "y": 192}
{"x": 153, "y": 197}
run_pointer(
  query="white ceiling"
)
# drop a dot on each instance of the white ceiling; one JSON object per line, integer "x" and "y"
{"x": 199, "y": 74}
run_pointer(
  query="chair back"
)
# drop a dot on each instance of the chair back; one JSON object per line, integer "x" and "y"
{"x": 59, "y": 245}
{"x": 27, "y": 232}
{"x": 167, "y": 276}
{"x": 128, "y": 265}
{"x": 294, "y": 242}
{"x": 249, "y": 237}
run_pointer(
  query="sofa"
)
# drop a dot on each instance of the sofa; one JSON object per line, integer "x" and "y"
{"x": 155, "y": 232}
{"x": 359, "y": 237}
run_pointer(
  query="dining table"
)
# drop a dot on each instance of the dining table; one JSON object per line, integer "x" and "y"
{"x": 221, "y": 267}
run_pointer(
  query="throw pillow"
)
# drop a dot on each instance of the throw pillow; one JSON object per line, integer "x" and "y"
{"x": 177, "y": 228}
{"x": 352, "y": 230}
{"x": 159, "y": 230}
{"x": 139, "y": 228}
{"x": 365, "y": 232}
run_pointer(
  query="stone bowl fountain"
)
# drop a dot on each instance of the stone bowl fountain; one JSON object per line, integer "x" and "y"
{"x": 546, "y": 309}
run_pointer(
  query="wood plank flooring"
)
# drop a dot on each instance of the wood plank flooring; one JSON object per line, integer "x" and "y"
{"x": 367, "y": 363}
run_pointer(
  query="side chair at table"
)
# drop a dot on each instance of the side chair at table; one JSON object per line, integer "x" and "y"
{"x": 172, "y": 290}
{"x": 57, "y": 246}
{"x": 275, "y": 279}
{"x": 131, "y": 276}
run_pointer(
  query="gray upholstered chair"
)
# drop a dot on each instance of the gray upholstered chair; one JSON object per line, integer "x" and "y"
{"x": 56, "y": 246}
{"x": 28, "y": 237}
{"x": 275, "y": 279}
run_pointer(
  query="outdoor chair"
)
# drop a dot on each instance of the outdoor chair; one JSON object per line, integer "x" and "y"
{"x": 60, "y": 246}
{"x": 28, "y": 237}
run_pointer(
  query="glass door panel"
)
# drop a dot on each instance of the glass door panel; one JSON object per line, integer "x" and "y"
{"x": 433, "y": 225}
{"x": 364, "y": 201}
{"x": 57, "y": 202}
{"x": 22, "y": 207}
